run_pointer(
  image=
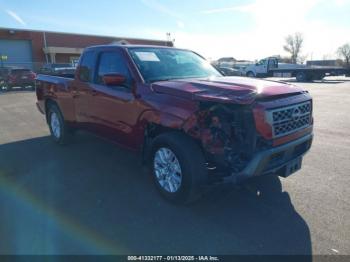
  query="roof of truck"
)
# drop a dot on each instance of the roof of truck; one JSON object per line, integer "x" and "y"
{"x": 130, "y": 46}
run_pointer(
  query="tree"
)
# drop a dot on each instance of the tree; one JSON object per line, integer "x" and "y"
{"x": 293, "y": 46}
{"x": 344, "y": 52}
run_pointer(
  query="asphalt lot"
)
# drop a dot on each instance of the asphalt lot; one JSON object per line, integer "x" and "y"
{"x": 92, "y": 197}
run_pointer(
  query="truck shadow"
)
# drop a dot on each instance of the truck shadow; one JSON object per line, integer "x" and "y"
{"x": 94, "y": 198}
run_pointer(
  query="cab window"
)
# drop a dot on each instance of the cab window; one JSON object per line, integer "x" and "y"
{"x": 262, "y": 62}
{"x": 86, "y": 66}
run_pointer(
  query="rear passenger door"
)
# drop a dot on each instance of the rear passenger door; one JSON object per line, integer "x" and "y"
{"x": 114, "y": 111}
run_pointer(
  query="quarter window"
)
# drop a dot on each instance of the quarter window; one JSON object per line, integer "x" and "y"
{"x": 86, "y": 66}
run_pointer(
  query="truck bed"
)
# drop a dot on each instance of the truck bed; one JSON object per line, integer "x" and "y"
{"x": 325, "y": 70}
{"x": 50, "y": 86}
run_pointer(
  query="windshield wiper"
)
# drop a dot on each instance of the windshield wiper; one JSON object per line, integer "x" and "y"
{"x": 164, "y": 79}
{"x": 174, "y": 78}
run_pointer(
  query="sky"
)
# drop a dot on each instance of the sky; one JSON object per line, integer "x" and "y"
{"x": 251, "y": 29}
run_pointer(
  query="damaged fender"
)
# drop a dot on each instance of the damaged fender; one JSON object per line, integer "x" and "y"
{"x": 226, "y": 132}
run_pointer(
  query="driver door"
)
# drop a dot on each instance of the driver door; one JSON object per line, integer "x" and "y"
{"x": 114, "y": 109}
{"x": 261, "y": 68}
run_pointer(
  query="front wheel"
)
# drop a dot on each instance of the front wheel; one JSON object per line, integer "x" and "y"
{"x": 178, "y": 167}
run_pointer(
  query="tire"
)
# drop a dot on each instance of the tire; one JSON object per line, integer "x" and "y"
{"x": 58, "y": 128}
{"x": 185, "y": 162}
{"x": 250, "y": 74}
{"x": 319, "y": 77}
{"x": 301, "y": 77}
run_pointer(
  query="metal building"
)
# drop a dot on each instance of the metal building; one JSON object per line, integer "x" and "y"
{"x": 16, "y": 53}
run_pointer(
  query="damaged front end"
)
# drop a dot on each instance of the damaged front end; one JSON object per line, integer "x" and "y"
{"x": 242, "y": 141}
{"x": 228, "y": 137}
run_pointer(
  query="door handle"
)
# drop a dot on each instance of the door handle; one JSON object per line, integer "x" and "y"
{"x": 75, "y": 93}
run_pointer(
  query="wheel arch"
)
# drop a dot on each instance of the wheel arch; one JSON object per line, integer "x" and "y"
{"x": 252, "y": 72}
{"x": 155, "y": 125}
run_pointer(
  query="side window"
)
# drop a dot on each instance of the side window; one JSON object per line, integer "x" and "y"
{"x": 86, "y": 66}
{"x": 272, "y": 63}
{"x": 111, "y": 63}
{"x": 262, "y": 62}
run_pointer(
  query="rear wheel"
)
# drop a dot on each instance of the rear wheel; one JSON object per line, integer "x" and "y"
{"x": 319, "y": 76}
{"x": 7, "y": 87}
{"x": 301, "y": 77}
{"x": 58, "y": 128}
{"x": 250, "y": 74}
{"x": 178, "y": 167}
{"x": 2, "y": 85}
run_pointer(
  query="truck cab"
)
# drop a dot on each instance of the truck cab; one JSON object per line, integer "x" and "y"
{"x": 262, "y": 68}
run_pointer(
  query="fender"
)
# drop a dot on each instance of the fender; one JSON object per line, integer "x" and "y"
{"x": 163, "y": 119}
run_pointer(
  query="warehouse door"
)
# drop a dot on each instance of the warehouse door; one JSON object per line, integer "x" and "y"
{"x": 16, "y": 53}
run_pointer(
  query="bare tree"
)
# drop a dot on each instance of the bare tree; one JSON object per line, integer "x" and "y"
{"x": 293, "y": 46}
{"x": 344, "y": 52}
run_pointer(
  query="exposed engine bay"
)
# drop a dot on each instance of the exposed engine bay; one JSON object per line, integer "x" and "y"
{"x": 227, "y": 134}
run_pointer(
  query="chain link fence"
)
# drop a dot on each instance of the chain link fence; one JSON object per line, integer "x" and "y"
{"x": 39, "y": 67}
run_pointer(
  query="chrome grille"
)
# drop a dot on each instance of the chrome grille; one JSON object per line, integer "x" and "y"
{"x": 289, "y": 119}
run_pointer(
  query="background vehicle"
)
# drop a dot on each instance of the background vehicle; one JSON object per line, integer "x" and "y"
{"x": 17, "y": 77}
{"x": 193, "y": 126}
{"x": 227, "y": 71}
{"x": 63, "y": 69}
{"x": 269, "y": 67}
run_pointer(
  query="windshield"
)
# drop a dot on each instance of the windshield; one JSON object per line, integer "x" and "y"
{"x": 159, "y": 64}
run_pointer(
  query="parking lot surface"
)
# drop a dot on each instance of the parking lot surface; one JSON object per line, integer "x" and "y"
{"x": 91, "y": 197}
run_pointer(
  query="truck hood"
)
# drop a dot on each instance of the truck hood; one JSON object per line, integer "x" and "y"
{"x": 241, "y": 90}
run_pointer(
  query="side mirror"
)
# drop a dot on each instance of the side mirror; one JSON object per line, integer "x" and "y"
{"x": 113, "y": 79}
{"x": 83, "y": 73}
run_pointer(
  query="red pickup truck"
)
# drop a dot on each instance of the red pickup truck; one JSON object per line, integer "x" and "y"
{"x": 193, "y": 126}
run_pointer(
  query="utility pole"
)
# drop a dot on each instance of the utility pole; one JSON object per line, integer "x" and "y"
{"x": 168, "y": 39}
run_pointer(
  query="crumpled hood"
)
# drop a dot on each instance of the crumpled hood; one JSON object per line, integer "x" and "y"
{"x": 241, "y": 90}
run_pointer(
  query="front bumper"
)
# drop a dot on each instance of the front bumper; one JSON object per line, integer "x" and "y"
{"x": 282, "y": 160}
